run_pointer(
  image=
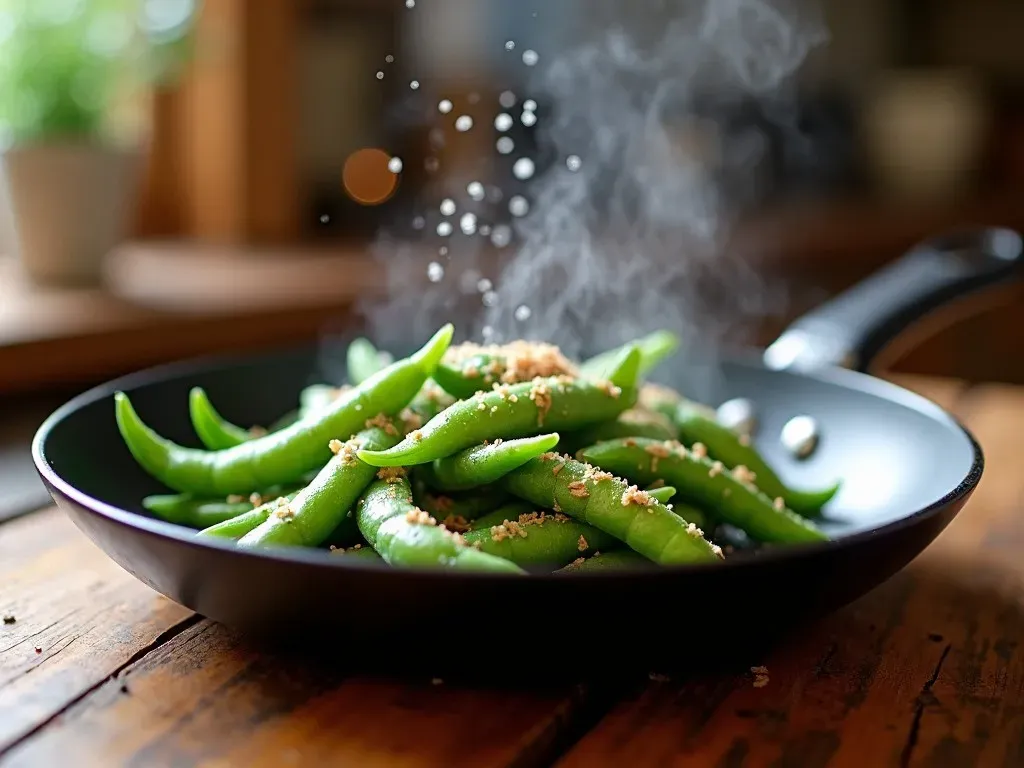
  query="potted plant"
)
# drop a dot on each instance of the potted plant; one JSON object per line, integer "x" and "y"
{"x": 68, "y": 70}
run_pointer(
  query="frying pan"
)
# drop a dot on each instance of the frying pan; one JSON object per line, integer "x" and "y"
{"x": 908, "y": 468}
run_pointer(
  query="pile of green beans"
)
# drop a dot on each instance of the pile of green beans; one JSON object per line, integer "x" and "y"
{"x": 507, "y": 459}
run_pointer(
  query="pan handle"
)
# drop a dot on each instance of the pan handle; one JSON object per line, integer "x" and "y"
{"x": 852, "y": 328}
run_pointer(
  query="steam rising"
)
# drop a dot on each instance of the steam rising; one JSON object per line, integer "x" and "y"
{"x": 626, "y": 225}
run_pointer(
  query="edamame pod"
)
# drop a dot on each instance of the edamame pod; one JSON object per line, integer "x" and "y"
{"x": 654, "y": 347}
{"x": 282, "y": 457}
{"x": 513, "y": 411}
{"x": 323, "y": 506}
{"x": 526, "y": 537}
{"x": 363, "y": 360}
{"x": 406, "y": 536}
{"x": 483, "y": 464}
{"x": 609, "y": 504}
{"x": 707, "y": 483}
{"x": 733, "y": 450}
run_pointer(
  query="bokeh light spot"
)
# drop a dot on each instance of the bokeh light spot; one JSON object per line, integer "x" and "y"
{"x": 367, "y": 177}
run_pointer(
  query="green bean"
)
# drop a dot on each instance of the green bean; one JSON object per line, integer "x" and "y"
{"x": 323, "y": 506}
{"x": 358, "y": 552}
{"x": 364, "y": 360}
{"x": 616, "y": 560}
{"x": 483, "y": 464}
{"x": 469, "y": 368}
{"x": 734, "y": 450}
{"x": 214, "y": 431}
{"x": 664, "y": 494}
{"x": 282, "y": 457}
{"x": 516, "y": 410}
{"x": 318, "y": 396}
{"x": 597, "y": 498}
{"x": 182, "y": 509}
{"x": 654, "y": 347}
{"x": 458, "y": 510}
{"x": 517, "y": 533}
{"x": 636, "y": 422}
{"x": 237, "y": 527}
{"x": 406, "y": 536}
{"x": 700, "y": 480}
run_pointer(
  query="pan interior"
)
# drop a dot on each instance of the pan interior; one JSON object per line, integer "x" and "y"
{"x": 895, "y": 452}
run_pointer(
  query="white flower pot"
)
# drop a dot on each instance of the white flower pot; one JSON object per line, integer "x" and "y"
{"x": 70, "y": 204}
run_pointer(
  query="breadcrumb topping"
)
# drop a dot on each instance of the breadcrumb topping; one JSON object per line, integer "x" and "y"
{"x": 510, "y": 363}
{"x": 256, "y": 500}
{"x": 633, "y": 495}
{"x": 417, "y": 516}
{"x": 347, "y": 451}
{"x": 716, "y": 469}
{"x": 779, "y": 504}
{"x": 456, "y": 523}
{"x": 609, "y": 389}
{"x": 416, "y": 435}
{"x": 744, "y": 475}
{"x": 391, "y": 474}
{"x": 578, "y": 489}
{"x": 699, "y": 451}
{"x": 382, "y": 422}
{"x": 540, "y": 394}
{"x": 582, "y": 544}
{"x": 235, "y": 498}
{"x": 410, "y": 419}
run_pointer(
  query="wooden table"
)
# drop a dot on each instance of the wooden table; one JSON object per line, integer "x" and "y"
{"x": 926, "y": 670}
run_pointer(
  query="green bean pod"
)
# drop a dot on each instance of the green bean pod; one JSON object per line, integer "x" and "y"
{"x": 457, "y": 510}
{"x": 364, "y": 360}
{"x": 406, "y": 536}
{"x": 517, "y": 533}
{"x": 636, "y": 422}
{"x": 696, "y": 425}
{"x": 182, "y": 509}
{"x": 323, "y": 507}
{"x": 654, "y": 347}
{"x": 611, "y": 505}
{"x": 483, "y": 464}
{"x": 215, "y": 432}
{"x": 513, "y": 411}
{"x": 470, "y": 375}
{"x": 706, "y": 483}
{"x": 282, "y": 457}
{"x": 616, "y": 560}
{"x": 664, "y": 494}
{"x": 363, "y": 553}
{"x": 239, "y": 526}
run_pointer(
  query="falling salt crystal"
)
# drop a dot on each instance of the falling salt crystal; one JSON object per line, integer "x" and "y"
{"x": 475, "y": 190}
{"x": 447, "y": 207}
{"x": 443, "y": 250}
{"x": 410, "y": 3}
{"x": 510, "y": 45}
{"x": 468, "y": 223}
{"x": 485, "y": 230}
{"x": 501, "y": 236}
{"x": 518, "y": 206}
{"x": 445, "y": 106}
{"x": 573, "y": 163}
{"x": 444, "y": 228}
{"x": 435, "y": 272}
{"x": 503, "y": 121}
{"x": 324, "y": 219}
{"x": 507, "y": 99}
{"x": 389, "y": 59}
{"x": 489, "y": 299}
{"x": 419, "y": 222}
{"x": 530, "y": 105}
{"x": 523, "y": 313}
{"x": 487, "y": 333}
{"x": 463, "y": 123}
{"x": 505, "y": 145}
{"x": 523, "y": 168}
{"x": 529, "y": 118}
{"x": 431, "y": 164}
{"x": 380, "y": 74}
{"x": 530, "y": 57}
{"x": 395, "y": 165}
{"x": 414, "y": 84}
{"x": 484, "y": 285}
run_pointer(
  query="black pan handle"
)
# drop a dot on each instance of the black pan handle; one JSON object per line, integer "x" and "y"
{"x": 852, "y": 328}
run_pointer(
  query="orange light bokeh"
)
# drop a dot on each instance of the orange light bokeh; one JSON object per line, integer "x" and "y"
{"x": 367, "y": 178}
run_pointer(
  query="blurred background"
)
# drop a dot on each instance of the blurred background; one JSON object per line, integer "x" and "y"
{"x": 184, "y": 178}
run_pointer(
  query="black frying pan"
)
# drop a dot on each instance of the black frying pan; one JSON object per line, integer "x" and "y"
{"x": 908, "y": 468}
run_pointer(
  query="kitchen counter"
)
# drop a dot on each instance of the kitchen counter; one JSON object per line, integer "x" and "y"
{"x": 925, "y": 670}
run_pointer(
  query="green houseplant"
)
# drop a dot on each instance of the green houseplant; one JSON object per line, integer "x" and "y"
{"x": 68, "y": 68}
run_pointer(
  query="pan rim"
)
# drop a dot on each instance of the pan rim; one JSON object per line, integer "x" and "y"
{"x": 152, "y": 527}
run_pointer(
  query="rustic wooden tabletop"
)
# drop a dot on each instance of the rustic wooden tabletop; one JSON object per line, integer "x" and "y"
{"x": 96, "y": 669}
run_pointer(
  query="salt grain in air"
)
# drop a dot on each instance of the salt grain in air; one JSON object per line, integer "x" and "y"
{"x": 324, "y": 219}
{"x": 573, "y": 163}
{"x": 507, "y": 99}
{"x": 530, "y": 58}
{"x": 503, "y": 121}
{"x": 475, "y": 190}
{"x": 523, "y": 168}
{"x": 530, "y": 105}
{"x": 444, "y": 229}
{"x": 389, "y": 59}
{"x": 463, "y": 123}
{"x": 484, "y": 230}
{"x": 490, "y": 299}
{"x": 501, "y": 236}
{"x": 443, "y": 250}
{"x": 435, "y": 272}
{"x": 468, "y": 223}
{"x": 380, "y": 74}
{"x": 483, "y": 285}
{"x": 528, "y": 119}
{"x": 510, "y": 45}
{"x": 414, "y": 84}
{"x": 523, "y": 313}
{"x": 410, "y": 3}
{"x": 447, "y": 207}
{"x": 518, "y": 206}
{"x": 505, "y": 145}
{"x": 395, "y": 165}
{"x": 444, "y": 107}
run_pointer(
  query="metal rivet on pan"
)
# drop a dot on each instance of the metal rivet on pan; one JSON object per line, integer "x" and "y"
{"x": 738, "y": 415}
{"x": 800, "y": 436}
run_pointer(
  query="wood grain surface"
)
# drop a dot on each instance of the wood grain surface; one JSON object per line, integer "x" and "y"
{"x": 925, "y": 670}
